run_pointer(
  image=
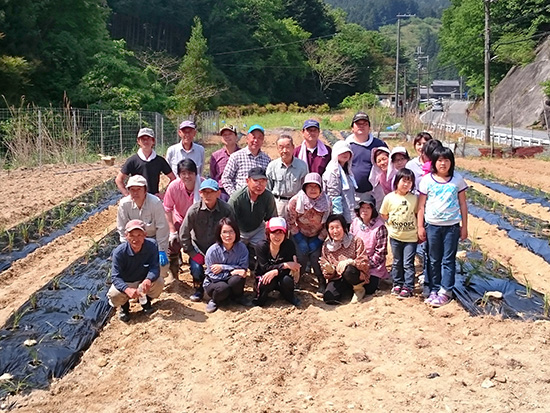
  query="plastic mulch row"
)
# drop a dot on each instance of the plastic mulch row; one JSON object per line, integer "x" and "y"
{"x": 477, "y": 274}
{"x": 55, "y": 223}
{"x": 530, "y": 195}
{"x": 62, "y": 318}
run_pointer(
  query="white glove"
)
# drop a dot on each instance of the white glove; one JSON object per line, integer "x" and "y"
{"x": 341, "y": 267}
{"x": 173, "y": 237}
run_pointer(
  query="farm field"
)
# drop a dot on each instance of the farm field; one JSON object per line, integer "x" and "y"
{"x": 380, "y": 355}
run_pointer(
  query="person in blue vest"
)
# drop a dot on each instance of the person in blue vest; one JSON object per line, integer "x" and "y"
{"x": 362, "y": 142}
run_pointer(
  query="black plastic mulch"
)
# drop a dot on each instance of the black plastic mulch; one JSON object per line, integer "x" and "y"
{"x": 64, "y": 322}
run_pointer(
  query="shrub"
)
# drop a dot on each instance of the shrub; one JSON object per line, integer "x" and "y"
{"x": 359, "y": 101}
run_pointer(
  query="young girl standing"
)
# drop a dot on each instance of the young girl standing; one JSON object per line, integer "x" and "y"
{"x": 441, "y": 210}
{"x": 399, "y": 209}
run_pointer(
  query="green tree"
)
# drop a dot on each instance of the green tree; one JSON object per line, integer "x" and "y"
{"x": 58, "y": 38}
{"x": 196, "y": 85}
{"x": 514, "y": 30}
{"x": 115, "y": 81}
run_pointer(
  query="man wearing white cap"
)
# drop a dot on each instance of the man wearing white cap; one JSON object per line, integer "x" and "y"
{"x": 135, "y": 271}
{"x": 198, "y": 231}
{"x": 236, "y": 171}
{"x": 145, "y": 163}
{"x": 149, "y": 209}
{"x": 186, "y": 149}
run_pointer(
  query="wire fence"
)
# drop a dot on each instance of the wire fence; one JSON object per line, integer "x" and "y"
{"x": 37, "y": 136}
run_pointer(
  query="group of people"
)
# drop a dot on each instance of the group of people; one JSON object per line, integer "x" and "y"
{"x": 331, "y": 211}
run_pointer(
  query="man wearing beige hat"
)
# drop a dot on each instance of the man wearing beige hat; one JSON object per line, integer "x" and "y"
{"x": 149, "y": 209}
{"x": 145, "y": 163}
{"x": 186, "y": 148}
{"x": 135, "y": 271}
{"x": 219, "y": 158}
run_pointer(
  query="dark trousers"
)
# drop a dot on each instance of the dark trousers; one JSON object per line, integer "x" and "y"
{"x": 372, "y": 285}
{"x": 220, "y": 291}
{"x": 283, "y": 283}
{"x": 342, "y": 288}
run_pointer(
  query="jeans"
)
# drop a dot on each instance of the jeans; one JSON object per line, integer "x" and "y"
{"x": 308, "y": 250}
{"x": 197, "y": 272}
{"x": 402, "y": 269}
{"x": 442, "y": 248}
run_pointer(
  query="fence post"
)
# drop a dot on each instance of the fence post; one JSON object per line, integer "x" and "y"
{"x": 74, "y": 136}
{"x": 161, "y": 130}
{"x": 139, "y": 120}
{"x": 101, "y": 132}
{"x": 39, "y": 137}
{"x": 120, "y": 130}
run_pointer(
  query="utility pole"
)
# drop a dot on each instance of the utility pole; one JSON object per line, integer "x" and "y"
{"x": 399, "y": 17}
{"x": 404, "y": 89}
{"x": 487, "y": 72}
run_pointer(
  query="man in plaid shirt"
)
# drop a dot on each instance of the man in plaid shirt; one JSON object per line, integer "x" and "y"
{"x": 240, "y": 162}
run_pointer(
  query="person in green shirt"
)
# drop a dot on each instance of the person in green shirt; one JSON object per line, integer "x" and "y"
{"x": 254, "y": 205}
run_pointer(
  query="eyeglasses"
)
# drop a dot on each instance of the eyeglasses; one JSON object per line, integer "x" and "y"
{"x": 228, "y": 232}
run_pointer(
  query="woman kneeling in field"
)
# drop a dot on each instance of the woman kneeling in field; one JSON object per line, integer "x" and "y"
{"x": 226, "y": 265}
{"x": 344, "y": 262}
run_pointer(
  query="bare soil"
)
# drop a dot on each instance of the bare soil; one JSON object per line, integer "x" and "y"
{"x": 380, "y": 355}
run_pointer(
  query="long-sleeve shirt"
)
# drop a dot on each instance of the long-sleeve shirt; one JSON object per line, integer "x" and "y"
{"x": 315, "y": 162}
{"x": 250, "y": 214}
{"x": 239, "y": 163}
{"x": 233, "y": 259}
{"x": 177, "y": 200}
{"x": 285, "y": 181}
{"x": 310, "y": 223}
{"x": 151, "y": 212}
{"x": 218, "y": 162}
{"x": 265, "y": 262}
{"x": 176, "y": 153}
{"x": 355, "y": 250}
{"x": 198, "y": 231}
{"x": 129, "y": 266}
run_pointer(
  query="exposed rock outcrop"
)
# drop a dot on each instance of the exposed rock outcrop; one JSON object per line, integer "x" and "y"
{"x": 519, "y": 98}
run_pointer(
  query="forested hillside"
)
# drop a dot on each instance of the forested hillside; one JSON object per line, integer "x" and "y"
{"x": 517, "y": 26}
{"x": 371, "y": 14}
{"x": 129, "y": 54}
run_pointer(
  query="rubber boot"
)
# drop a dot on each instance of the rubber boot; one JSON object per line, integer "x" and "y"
{"x": 174, "y": 270}
{"x": 358, "y": 293}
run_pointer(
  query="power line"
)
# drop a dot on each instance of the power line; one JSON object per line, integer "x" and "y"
{"x": 273, "y": 46}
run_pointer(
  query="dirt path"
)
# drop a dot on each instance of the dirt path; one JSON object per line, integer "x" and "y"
{"x": 27, "y": 193}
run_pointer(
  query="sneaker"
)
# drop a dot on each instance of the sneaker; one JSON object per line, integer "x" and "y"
{"x": 431, "y": 297}
{"x": 405, "y": 293}
{"x": 242, "y": 300}
{"x": 396, "y": 290}
{"x": 440, "y": 300}
{"x": 211, "y": 306}
{"x": 124, "y": 314}
{"x": 197, "y": 296}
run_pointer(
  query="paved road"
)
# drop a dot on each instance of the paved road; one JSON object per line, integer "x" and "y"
{"x": 455, "y": 112}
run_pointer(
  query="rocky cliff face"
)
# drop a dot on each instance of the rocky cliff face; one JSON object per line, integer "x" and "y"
{"x": 518, "y": 98}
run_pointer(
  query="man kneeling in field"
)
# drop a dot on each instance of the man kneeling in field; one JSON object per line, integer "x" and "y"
{"x": 135, "y": 271}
